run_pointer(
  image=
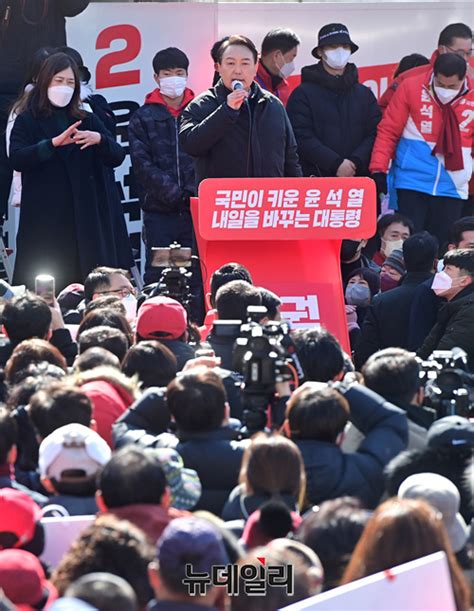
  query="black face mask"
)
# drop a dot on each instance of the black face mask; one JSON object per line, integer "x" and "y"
{"x": 349, "y": 249}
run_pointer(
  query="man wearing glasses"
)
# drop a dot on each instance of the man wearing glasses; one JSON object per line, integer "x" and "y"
{"x": 455, "y": 38}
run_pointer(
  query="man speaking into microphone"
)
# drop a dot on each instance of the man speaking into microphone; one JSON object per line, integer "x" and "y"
{"x": 236, "y": 129}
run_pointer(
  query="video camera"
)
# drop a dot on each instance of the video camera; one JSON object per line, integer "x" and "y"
{"x": 174, "y": 279}
{"x": 449, "y": 386}
{"x": 264, "y": 354}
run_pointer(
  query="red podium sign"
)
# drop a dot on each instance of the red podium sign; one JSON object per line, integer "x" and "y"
{"x": 288, "y": 232}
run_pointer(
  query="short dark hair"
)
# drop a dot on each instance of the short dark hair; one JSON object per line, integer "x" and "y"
{"x": 152, "y": 361}
{"x": 170, "y": 58}
{"x": 388, "y": 219}
{"x": 394, "y": 374}
{"x": 26, "y": 317}
{"x": 452, "y": 31}
{"x": 8, "y": 434}
{"x": 113, "y": 340}
{"x": 271, "y": 301}
{"x": 106, "y": 302}
{"x": 100, "y": 276}
{"x": 320, "y": 354}
{"x": 450, "y": 64}
{"x": 57, "y": 405}
{"x": 410, "y": 61}
{"x": 197, "y": 400}
{"x": 463, "y": 258}
{"x": 420, "y": 251}
{"x": 320, "y": 415}
{"x": 280, "y": 39}
{"x": 106, "y": 317}
{"x": 233, "y": 299}
{"x": 104, "y": 591}
{"x": 215, "y": 48}
{"x": 466, "y": 223}
{"x": 121, "y": 481}
{"x": 29, "y": 352}
{"x": 226, "y": 273}
{"x": 239, "y": 40}
{"x": 96, "y": 357}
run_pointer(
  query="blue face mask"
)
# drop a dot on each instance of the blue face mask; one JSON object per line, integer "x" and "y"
{"x": 357, "y": 295}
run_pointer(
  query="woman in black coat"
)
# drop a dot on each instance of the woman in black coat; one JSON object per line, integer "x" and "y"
{"x": 65, "y": 228}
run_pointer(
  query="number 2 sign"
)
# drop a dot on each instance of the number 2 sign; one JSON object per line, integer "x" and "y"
{"x": 133, "y": 42}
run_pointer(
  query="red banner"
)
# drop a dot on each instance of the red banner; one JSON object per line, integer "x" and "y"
{"x": 286, "y": 208}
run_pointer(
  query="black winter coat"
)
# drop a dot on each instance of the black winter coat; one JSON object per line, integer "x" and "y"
{"x": 65, "y": 223}
{"x": 334, "y": 118}
{"x": 164, "y": 173}
{"x": 387, "y": 320}
{"x": 218, "y": 136}
{"x": 330, "y": 473}
{"x": 455, "y": 327}
{"x": 33, "y": 24}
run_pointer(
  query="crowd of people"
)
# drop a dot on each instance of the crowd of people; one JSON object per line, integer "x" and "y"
{"x": 131, "y": 413}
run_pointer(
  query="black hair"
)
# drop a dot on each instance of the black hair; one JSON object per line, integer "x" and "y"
{"x": 420, "y": 251}
{"x": 100, "y": 277}
{"x": 410, "y": 61}
{"x": 110, "y": 338}
{"x": 84, "y": 72}
{"x": 215, "y": 48}
{"x": 394, "y": 374}
{"x": 320, "y": 354}
{"x": 450, "y": 64}
{"x": 106, "y": 317}
{"x": 104, "y": 591}
{"x": 57, "y": 405}
{"x": 280, "y": 39}
{"x": 8, "y": 434}
{"x": 239, "y": 40}
{"x": 96, "y": 357}
{"x": 26, "y": 317}
{"x": 121, "y": 481}
{"x": 226, "y": 273}
{"x": 452, "y": 31}
{"x": 197, "y": 400}
{"x": 170, "y": 58}
{"x": 388, "y": 219}
{"x": 233, "y": 299}
{"x": 466, "y": 223}
{"x": 152, "y": 361}
{"x": 271, "y": 301}
{"x": 462, "y": 258}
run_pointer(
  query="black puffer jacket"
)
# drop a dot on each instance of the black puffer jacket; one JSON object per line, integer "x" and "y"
{"x": 218, "y": 136}
{"x": 334, "y": 118}
{"x": 164, "y": 173}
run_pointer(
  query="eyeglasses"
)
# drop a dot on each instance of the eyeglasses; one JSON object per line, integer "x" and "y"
{"x": 460, "y": 52}
{"x": 122, "y": 292}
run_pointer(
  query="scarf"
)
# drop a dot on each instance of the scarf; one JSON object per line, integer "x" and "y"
{"x": 449, "y": 139}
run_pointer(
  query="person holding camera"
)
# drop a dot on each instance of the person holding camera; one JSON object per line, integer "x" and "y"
{"x": 61, "y": 150}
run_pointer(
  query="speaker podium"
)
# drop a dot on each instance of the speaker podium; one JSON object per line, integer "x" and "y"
{"x": 287, "y": 232}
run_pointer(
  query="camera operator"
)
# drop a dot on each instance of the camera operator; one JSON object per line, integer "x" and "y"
{"x": 449, "y": 453}
{"x": 455, "y": 325}
{"x": 317, "y": 415}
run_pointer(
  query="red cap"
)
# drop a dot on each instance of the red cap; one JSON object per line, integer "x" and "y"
{"x": 23, "y": 580}
{"x": 19, "y": 515}
{"x": 161, "y": 318}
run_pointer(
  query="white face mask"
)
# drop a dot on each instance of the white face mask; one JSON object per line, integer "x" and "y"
{"x": 173, "y": 86}
{"x": 130, "y": 303}
{"x": 445, "y": 95}
{"x": 388, "y": 246}
{"x": 60, "y": 95}
{"x": 337, "y": 58}
{"x": 442, "y": 282}
{"x": 287, "y": 69}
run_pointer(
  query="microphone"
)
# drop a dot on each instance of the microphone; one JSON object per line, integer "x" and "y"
{"x": 236, "y": 85}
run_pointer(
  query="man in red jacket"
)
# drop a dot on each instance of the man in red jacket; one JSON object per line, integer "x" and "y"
{"x": 455, "y": 38}
{"x": 279, "y": 49}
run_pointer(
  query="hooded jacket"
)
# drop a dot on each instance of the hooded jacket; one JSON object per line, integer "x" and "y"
{"x": 334, "y": 118}
{"x": 163, "y": 172}
{"x": 255, "y": 141}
